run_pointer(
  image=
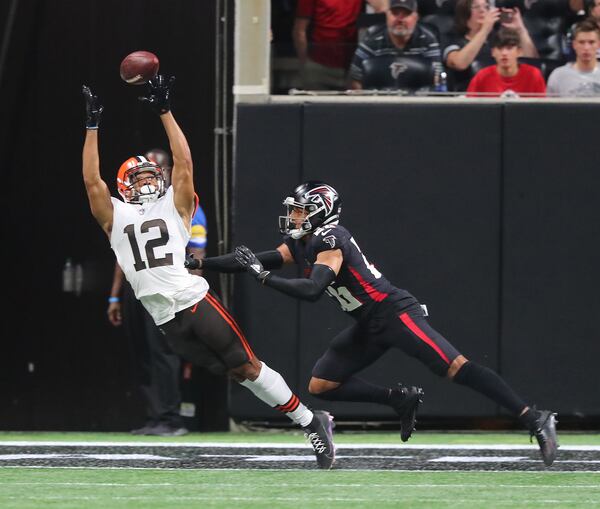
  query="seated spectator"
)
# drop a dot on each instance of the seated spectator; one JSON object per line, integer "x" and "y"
{"x": 582, "y": 77}
{"x": 401, "y": 36}
{"x": 592, "y": 11}
{"x": 325, "y": 37}
{"x": 508, "y": 77}
{"x": 469, "y": 50}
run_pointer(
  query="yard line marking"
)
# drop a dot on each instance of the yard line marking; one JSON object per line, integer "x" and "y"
{"x": 109, "y": 457}
{"x": 312, "y": 458}
{"x": 293, "y": 485}
{"x": 478, "y": 459}
{"x": 279, "y": 445}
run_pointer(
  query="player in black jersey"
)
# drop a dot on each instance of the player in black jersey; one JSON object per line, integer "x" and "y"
{"x": 385, "y": 316}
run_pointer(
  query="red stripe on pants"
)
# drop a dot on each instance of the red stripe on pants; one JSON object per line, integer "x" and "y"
{"x": 414, "y": 328}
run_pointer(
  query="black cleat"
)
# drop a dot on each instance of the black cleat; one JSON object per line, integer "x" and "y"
{"x": 405, "y": 401}
{"x": 320, "y": 435}
{"x": 545, "y": 434}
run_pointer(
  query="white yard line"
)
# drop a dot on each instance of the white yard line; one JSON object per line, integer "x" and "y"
{"x": 300, "y": 445}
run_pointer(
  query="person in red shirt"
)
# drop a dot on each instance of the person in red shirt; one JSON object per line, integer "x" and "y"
{"x": 508, "y": 77}
{"x": 325, "y": 37}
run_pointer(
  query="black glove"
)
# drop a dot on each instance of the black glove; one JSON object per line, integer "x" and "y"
{"x": 191, "y": 263}
{"x": 247, "y": 259}
{"x": 159, "y": 94}
{"x": 93, "y": 110}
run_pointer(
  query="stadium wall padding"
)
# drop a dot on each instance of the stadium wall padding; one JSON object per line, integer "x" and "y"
{"x": 492, "y": 224}
{"x": 551, "y": 252}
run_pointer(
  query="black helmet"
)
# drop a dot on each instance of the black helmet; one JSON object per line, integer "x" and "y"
{"x": 320, "y": 201}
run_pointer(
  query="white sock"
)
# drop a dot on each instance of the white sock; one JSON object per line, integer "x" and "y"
{"x": 271, "y": 388}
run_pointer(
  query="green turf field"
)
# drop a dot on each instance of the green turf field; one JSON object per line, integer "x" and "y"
{"x": 22, "y": 487}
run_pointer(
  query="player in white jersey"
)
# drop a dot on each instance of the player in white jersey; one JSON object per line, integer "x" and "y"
{"x": 148, "y": 232}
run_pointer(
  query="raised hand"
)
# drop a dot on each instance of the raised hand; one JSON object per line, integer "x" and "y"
{"x": 491, "y": 18}
{"x": 93, "y": 110}
{"x": 247, "y": 259}
{"x": 516, "y": 20}
{"x": 159, "y": 93}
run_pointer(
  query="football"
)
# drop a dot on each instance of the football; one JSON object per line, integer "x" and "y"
{"x": 139, "y": 67}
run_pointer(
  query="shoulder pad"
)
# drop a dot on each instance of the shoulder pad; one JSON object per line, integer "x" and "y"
{"x": 330, "y": 237}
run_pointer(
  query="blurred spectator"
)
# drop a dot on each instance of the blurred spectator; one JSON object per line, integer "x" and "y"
{"x": 469, "y": 49}
{"x": 401, "y": 36}
{"x": 325, "y": 36}
{"x": 591, "y": 11}
{"x": 508, "y": 77}
{"x": 582, "y": 77}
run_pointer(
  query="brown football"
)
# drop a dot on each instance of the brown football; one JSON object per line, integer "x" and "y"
{"x": 139, "y": 67}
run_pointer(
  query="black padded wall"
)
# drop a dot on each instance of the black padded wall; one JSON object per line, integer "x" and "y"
{"x": 492, "y": 224}
{"x": 550, "y": 331}
{"x": 420, "y": 208}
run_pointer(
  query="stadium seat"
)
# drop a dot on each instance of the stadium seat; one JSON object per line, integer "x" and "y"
{"x": 442, "y": 25}
{"x": 408, "y": 73}
{"x": 546, "y": 34}
{"x": 427, "y": 7}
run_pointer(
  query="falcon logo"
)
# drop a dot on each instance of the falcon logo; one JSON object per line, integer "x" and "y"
{"x": 322, "y": 195}
{"x": 397, "y": 68}
{"x": 330, "y": 239}
{"x": 529, "y": 3}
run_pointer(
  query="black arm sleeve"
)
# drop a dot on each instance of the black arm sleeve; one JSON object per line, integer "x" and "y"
{"x": 226, "y": 263}
{"x": 302, "y": 288}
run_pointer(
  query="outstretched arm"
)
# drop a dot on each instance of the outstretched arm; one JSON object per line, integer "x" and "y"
{"x": 324, "y": 272}
{"x": 97, "y": 190}
{"x": 227, "y": 263}
{"x": 182, "y": 176}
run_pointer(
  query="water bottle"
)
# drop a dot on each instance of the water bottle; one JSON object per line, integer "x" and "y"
{"x": 440, "y": 81}
{"x": 68, "y": 277}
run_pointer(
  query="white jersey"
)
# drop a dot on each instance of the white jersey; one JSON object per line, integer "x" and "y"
{"x": 149, "y": 242}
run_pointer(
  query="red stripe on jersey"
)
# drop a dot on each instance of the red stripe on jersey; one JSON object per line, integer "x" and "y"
{"x": 376, "y": 295}
{"x": 407, "y": 320}
{"x": 232, "y": 323}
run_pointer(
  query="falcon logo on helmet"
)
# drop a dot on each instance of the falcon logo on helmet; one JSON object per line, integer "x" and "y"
{"x": 140, "y": 180}
{"x": 323, "y": 195}
{"x": 312, "y": 204}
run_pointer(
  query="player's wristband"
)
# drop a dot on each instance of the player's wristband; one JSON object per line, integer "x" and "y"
{"x": 111, "y": 300}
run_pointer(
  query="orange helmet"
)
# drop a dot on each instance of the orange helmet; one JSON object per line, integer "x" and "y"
{"x": 129, "y": 173}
